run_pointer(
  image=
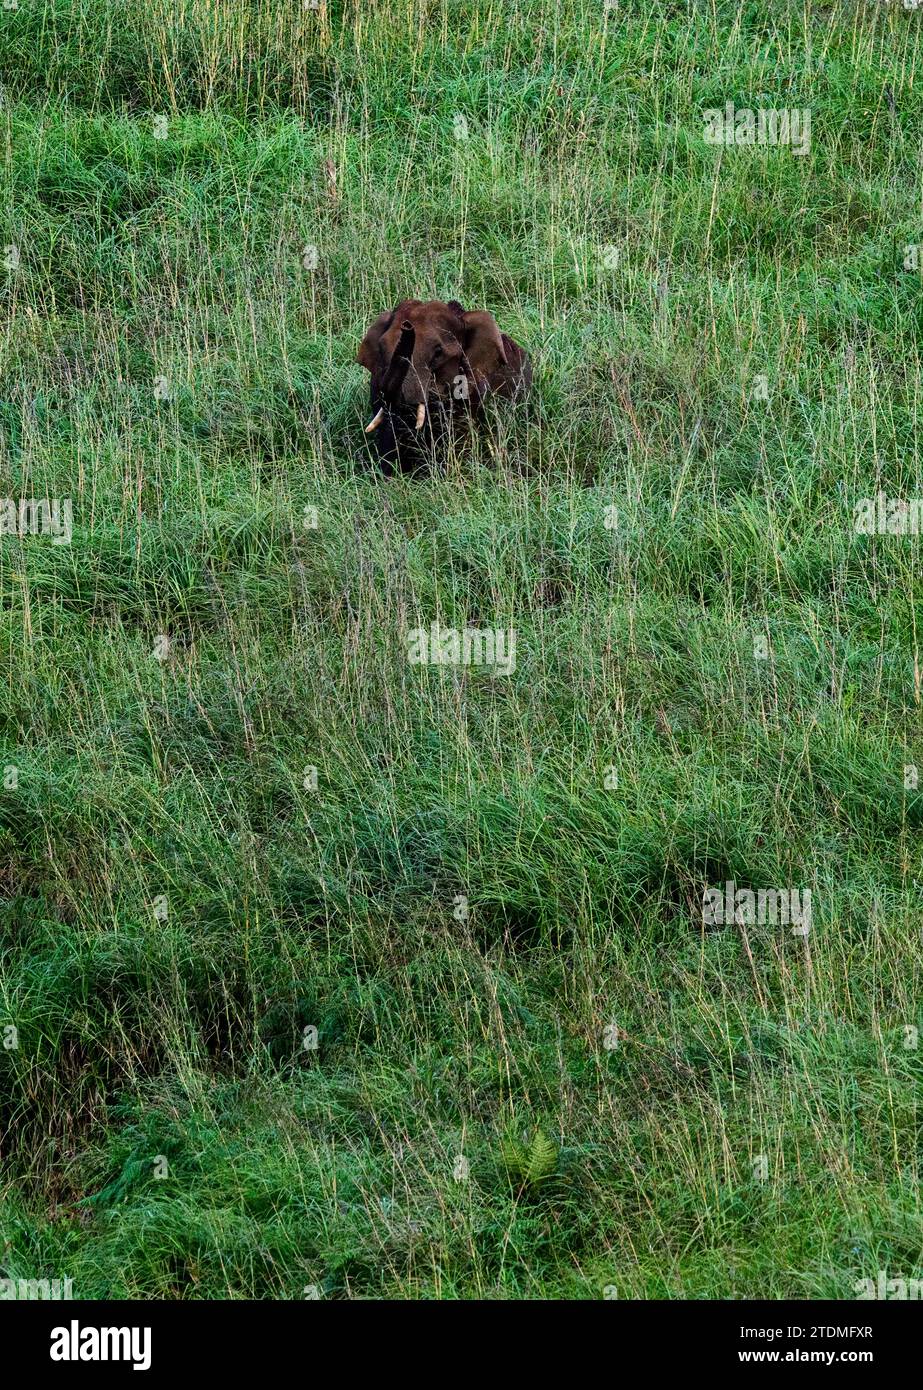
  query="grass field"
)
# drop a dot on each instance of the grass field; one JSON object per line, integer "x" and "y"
{"x": 536, "y": 1072}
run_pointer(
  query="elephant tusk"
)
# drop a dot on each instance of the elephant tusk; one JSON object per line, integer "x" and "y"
{"x": 373, "y": 424}
{"x": 421, "y": 416}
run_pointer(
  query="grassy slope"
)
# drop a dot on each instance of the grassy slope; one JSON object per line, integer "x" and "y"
{"x": 182, "y": 778}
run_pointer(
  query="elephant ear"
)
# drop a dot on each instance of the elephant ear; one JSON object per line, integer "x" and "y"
{"x": 367, "y": 356}
{"x": 483, "y": 342}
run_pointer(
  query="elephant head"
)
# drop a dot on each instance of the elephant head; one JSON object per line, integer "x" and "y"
{"x": 428, "y": 358}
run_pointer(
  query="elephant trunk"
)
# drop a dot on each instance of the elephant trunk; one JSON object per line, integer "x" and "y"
{"x": 400, "y": 363}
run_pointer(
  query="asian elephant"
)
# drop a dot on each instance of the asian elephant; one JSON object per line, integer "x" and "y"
{"x": 431, "y": 362}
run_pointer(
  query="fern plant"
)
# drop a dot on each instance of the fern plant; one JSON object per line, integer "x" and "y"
{"x": 533, "y": 1162}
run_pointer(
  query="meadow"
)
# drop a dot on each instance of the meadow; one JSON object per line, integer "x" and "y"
{"x": 325, "y": 974}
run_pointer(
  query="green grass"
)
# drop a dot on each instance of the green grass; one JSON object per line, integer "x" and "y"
{"x": 177, "y": 907}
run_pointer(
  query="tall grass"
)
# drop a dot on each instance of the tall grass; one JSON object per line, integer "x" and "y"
{"x": 535, "y": 1075}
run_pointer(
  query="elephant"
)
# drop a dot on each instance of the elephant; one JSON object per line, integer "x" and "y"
{"x": 432, "y": 362}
